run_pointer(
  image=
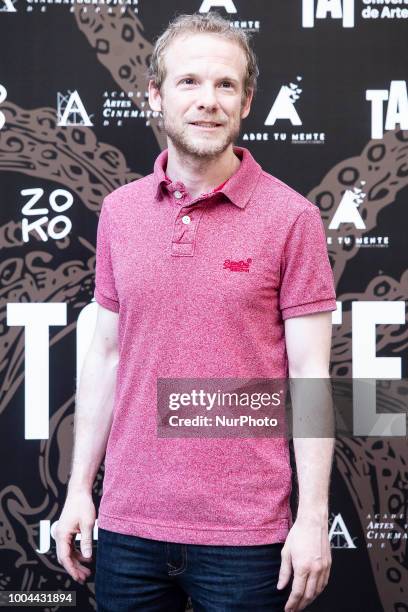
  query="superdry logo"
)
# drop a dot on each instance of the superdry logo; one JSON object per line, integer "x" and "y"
{"x": 237, "y": 266}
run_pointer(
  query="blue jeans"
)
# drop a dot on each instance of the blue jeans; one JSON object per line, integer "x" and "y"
{"x": 134, "y": 573}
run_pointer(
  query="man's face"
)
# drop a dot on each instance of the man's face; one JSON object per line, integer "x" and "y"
{"x": 202, "y": 94}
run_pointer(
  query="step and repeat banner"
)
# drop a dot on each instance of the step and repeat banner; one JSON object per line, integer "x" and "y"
{"x": 330, "y": 119}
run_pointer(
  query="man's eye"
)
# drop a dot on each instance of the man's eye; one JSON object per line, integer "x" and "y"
{"x": 187, "y": 80}
{"x": 227, "y": 83}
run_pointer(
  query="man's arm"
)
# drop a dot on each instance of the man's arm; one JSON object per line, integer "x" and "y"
{"x": 94, "y": 402}
{"x": 92, "y": 424}
{"x": 307, "y": 548}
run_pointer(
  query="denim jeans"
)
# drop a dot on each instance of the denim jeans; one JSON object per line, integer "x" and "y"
{"x": 134, "y": 573}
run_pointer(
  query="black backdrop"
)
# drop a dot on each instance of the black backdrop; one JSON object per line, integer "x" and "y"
{"x": 99, "y": 50}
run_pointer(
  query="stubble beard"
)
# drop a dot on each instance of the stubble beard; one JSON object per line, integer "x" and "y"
{"x": 199, "y": 149}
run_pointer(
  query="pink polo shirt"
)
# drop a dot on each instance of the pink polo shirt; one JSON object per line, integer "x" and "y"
{"x": 202, "y": 287}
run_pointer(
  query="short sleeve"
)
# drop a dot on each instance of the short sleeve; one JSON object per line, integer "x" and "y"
{"x": 105, "y": 290}
{"x": 307, "y": 281}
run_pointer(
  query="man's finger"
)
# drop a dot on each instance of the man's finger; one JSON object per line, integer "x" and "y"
{"x": 324, "y": 576}
{"x": 68, "y": 558}
{"x": 298, "y": 588}
{"x": 310, "y": 592}
{"x": 285, "y": 571}
{"x": 86, "y": 541}
{"x": 65, "y": 553}
{"x": 325, "y": 579}
{"x": 77, "y": 558}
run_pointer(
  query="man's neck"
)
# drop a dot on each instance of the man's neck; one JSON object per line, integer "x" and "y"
{"x": 200, "y": 176}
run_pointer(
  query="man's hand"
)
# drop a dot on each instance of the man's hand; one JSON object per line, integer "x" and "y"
{"x": 78, "y": 516}
{"x": 307, "y": 551}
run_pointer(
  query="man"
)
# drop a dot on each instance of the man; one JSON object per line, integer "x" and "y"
{"x": 207, "y": 268}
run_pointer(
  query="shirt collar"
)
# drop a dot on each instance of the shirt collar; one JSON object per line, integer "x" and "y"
{"x": 238, "y": 189}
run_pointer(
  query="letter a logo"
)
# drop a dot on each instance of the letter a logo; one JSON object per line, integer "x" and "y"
{"x": 339, "y": 531}
{"x": 71, "y": 108}
{"x": 284, "y": 106}
{"x": 207, "y": 5}
{"x": 347, "y": 211}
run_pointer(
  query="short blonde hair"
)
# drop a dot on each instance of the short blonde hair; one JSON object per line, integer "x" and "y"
{"x": 211, "y": 23}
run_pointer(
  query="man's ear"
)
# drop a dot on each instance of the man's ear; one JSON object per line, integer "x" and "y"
{"x": 246, "y": 107}
{"x": 154, "y": 96}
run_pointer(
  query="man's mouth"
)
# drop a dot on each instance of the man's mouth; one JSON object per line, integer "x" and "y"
{"x": 206, "y": 124}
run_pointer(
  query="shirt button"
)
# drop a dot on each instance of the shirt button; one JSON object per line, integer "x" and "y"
{"x": 178, "y": 194}
{"x": 186, "y": 219}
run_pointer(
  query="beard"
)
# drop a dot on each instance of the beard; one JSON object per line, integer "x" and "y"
{"x": 201, "y": 147}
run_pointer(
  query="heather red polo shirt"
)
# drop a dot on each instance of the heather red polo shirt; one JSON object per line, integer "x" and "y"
{"x": 202, "y": 288}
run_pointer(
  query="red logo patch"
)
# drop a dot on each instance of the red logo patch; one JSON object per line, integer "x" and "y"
{"x": 237, "y": 266}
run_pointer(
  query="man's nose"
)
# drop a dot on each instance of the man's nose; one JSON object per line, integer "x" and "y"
{"x": 207, "y": 97}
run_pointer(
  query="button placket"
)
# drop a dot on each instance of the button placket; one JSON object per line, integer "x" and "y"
{"x": 186, "y": 222}
{"x": 185, "y": 225}
{"x": 185, "y": 229}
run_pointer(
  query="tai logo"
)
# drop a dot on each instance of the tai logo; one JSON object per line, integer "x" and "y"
{"x": 321, "y": 9}
{"x": 237, "y": 266}
{"x": 397, "y": 108}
